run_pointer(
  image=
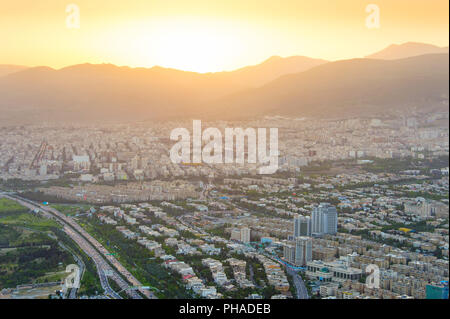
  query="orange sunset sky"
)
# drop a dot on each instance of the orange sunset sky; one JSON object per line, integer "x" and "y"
{"x": 209, "y": 36}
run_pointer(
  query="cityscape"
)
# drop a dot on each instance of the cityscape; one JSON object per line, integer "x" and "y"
{"x": 347, "y": 194}
{"x": 105, "y": 195}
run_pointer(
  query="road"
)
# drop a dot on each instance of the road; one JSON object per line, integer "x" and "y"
{"x": 93, "y": 249}
{"x": 102, "y": 266}
{"x": 252, "y": 276}
{"x": 81, "y": 266}
{"x": 302, "y": 292}
{"x": 106, "y": 254}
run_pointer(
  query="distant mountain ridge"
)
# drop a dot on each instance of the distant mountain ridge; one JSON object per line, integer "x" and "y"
{"x": 273, "y": 68}
{"x": 357, "y": 86}
{"x": 406, "y": 50}
{"x": 6, "y": 69}
{"x": 89, "y": 92}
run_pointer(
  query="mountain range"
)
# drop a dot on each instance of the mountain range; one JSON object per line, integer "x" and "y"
{"x": 6, "y": 69}
{"x": 398, "y": 77}
{"x": 406, "y": 50}
{"x": 350, "y": 88}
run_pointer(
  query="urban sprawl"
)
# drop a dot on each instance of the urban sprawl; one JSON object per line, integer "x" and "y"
{"x": 349, "y": 195}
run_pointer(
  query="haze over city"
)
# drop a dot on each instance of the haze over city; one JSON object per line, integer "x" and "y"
{"x": 196, "y": 150}
{"x": 210, "y": 36}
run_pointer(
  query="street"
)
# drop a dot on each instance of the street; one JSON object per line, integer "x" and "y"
{"x": 302, "y": 292}
{"x": 87, "y": 244}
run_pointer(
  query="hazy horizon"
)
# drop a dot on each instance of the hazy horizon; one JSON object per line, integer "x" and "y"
{"x": 268, "y": 151}
{"x": 208, "y": 37}
{"x": 268, "y": 59}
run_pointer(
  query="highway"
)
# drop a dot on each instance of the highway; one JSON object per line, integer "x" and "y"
{"x": 87, "y": 244}
{"x": 302, "y": 292}
{"x": 106, "y": 254}
{"x": 101, "y": 265}
{"x": 81, "y": 266}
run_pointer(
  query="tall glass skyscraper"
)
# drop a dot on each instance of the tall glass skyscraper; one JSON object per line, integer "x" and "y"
{"x": 302, "y": 226}
{"x": 324, "y": 219}
{"x": 303, "y": 250}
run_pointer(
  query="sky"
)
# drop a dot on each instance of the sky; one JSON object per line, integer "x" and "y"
{"x": 209, "y": 36}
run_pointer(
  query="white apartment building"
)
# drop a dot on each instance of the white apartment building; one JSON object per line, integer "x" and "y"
{"x": 245, "y": 235}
